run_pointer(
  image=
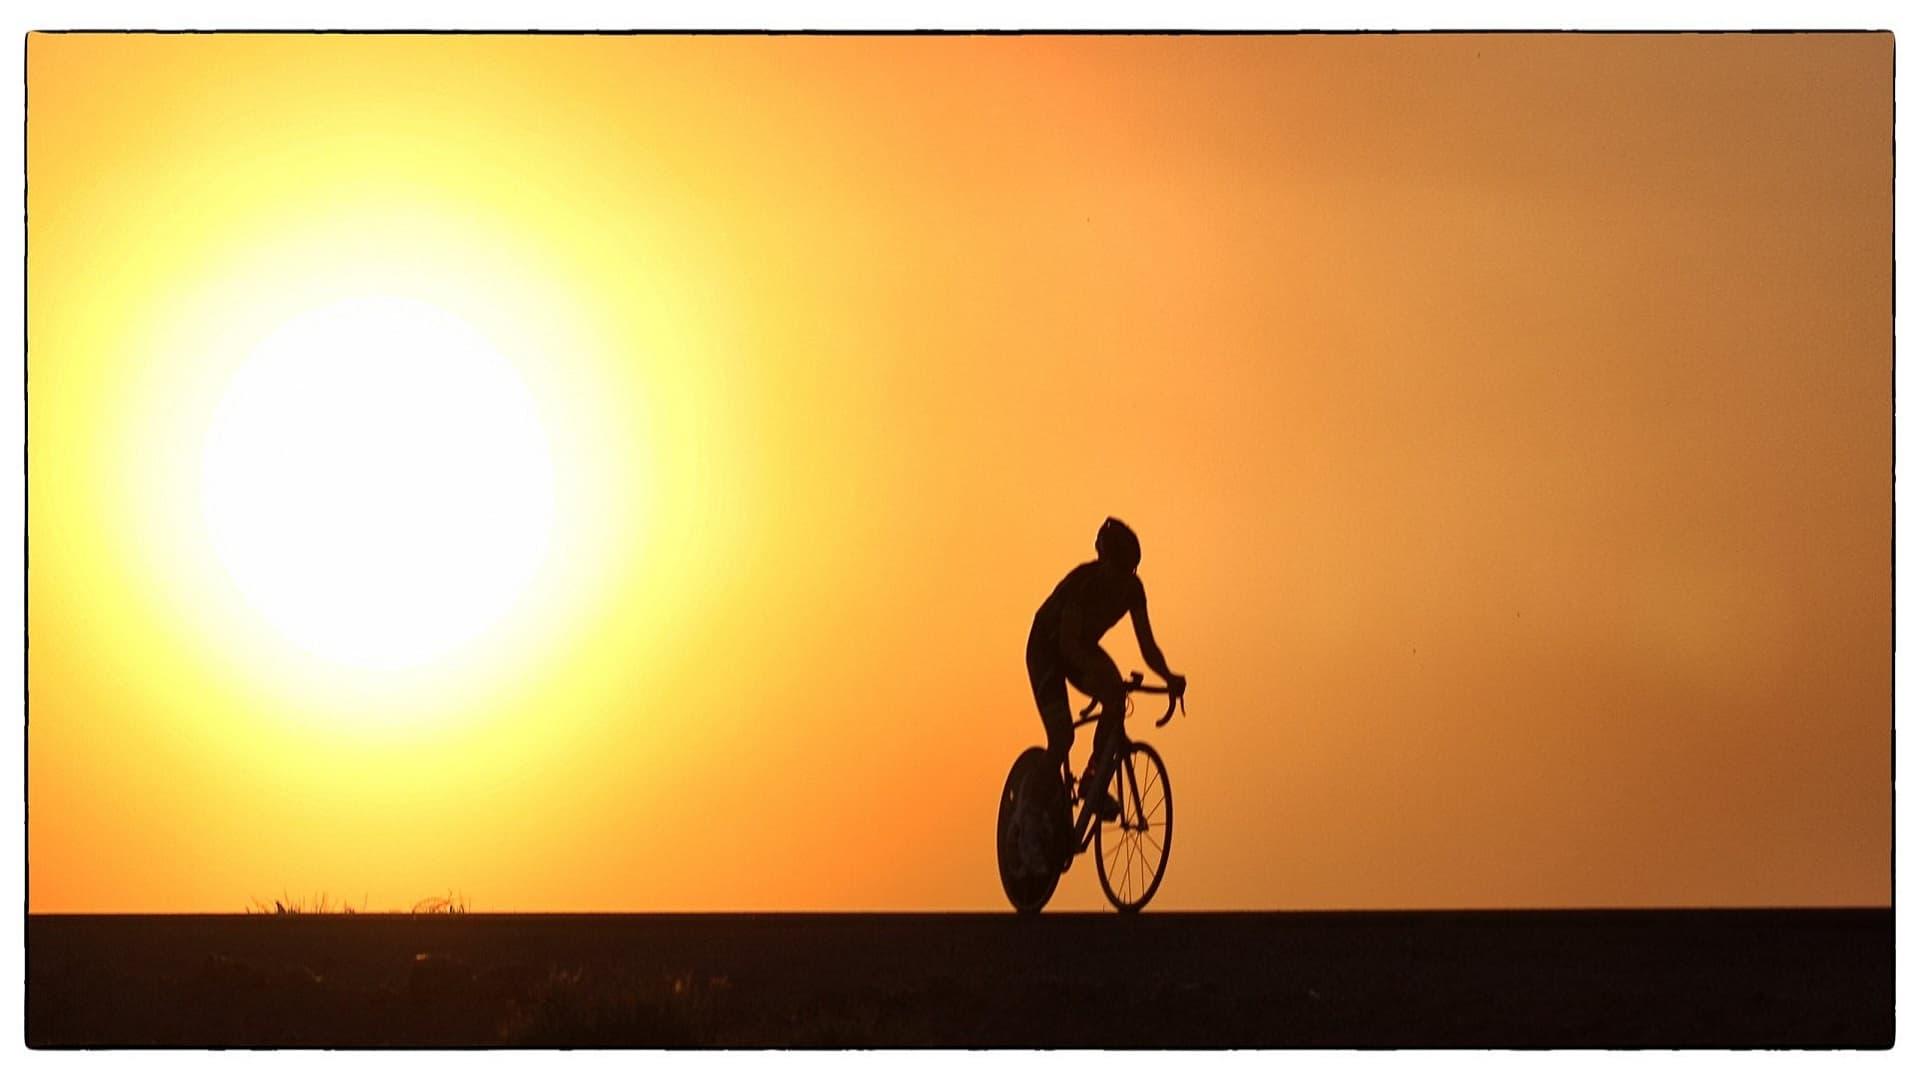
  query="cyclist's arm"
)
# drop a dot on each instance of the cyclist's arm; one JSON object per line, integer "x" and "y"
{"x": 1143, "y": 631}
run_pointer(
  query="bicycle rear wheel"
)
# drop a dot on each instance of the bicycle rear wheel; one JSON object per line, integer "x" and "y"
{"x": 1133, "y": 848}
{"x": 1033, "y": 817}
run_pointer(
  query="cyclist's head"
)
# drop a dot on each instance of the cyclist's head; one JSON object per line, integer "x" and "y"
{"x": 1116, "y": 543}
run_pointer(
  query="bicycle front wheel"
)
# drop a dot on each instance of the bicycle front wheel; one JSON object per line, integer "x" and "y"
{"x": 1133, "y": 848}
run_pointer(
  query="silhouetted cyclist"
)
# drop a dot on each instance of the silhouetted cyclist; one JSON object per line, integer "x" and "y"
{"x": 1064, "y": 647}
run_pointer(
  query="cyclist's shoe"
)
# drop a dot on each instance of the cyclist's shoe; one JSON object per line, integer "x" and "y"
{"x": 1102, "y": 803}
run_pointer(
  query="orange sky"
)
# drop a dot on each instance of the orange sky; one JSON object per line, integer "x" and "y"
{"x": 1506, "y": 419}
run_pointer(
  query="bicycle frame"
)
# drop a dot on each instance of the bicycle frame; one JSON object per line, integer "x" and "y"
{"x": 1087, "y": 821}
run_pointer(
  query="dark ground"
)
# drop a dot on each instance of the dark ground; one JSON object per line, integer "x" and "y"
{"x": 1743, "y": 978}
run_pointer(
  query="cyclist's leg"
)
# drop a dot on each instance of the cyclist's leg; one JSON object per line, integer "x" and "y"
{"x": 1049, "y": 681}
{"x": 1098, "y": 677}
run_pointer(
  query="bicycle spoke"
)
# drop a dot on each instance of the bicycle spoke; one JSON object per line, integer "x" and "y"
{"x": 1135, "y": 869}
{"x": 1157, "y": 782}
{"x": 1140, "y": 861}
{"x": 1163, "y": 790}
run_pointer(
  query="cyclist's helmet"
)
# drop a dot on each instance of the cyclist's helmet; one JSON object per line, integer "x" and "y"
{"x": 1116, "y": 543}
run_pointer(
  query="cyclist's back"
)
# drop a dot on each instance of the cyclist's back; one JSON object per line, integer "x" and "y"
{"x": 1102, "y": 597}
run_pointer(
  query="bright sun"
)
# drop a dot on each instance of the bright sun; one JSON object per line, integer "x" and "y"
{"x": 377, "y": 482}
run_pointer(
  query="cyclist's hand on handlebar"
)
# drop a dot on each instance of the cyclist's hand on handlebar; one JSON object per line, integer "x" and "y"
{"x": 1176, "y": 698}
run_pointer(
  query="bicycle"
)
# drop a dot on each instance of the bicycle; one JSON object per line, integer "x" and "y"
{"x": 1039, "y": 834}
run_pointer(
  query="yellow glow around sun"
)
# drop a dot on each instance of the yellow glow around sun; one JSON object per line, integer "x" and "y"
{"x": 377, "y": 482}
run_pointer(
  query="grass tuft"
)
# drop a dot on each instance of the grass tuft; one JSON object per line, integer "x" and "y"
{"x": 450, "y": 904}
{"x": 320, "y": 904}
{"x": 324, "y": 904}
